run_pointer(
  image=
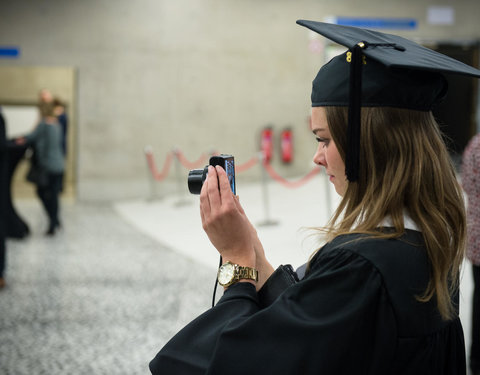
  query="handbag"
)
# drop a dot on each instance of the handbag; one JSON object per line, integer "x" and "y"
{"x": 36, "y": 173}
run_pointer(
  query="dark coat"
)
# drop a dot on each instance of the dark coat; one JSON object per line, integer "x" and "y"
{"x": 354, "y": 312}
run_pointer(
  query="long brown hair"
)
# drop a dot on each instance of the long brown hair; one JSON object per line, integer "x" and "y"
{"x": 404, "y": 165}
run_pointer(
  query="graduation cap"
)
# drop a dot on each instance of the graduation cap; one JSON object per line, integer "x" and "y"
{"x": 378, "y": 70}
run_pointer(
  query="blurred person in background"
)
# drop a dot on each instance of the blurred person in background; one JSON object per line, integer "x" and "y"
{"x": 46, "y": 139}
{"x": 61, "y": 114}
{"x": 471, "y": 185}
{"x": 45, "y": 96}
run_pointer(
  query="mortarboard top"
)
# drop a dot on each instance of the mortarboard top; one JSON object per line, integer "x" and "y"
{"x": 379, "y": 70}
{"x": 404, "y": 54}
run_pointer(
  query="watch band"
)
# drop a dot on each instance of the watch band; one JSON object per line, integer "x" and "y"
{"x": 230, "y": 273}
{"x": 247, "y": 273}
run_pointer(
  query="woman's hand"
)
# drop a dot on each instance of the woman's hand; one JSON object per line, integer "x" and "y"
{"x": 264, "y": 268}
{"x": 224, "y": 221}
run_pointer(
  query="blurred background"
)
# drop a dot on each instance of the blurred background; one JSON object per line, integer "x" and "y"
{"x": 195, "y": 75}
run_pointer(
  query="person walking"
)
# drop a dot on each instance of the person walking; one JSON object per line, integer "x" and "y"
{"x": 46, "y": 139}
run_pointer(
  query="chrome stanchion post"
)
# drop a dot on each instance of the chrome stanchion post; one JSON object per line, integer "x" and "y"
{"x": 181, "y": 183}
{"x": 148, "y": 150}
{"x": 266, "y": 197}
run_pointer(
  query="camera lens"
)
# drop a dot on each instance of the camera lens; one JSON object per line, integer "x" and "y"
{"x": 196, "y": 177}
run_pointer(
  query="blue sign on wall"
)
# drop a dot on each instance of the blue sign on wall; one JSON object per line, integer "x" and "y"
{"x": 377, "y": 23}
{"x": 9, "y": 52}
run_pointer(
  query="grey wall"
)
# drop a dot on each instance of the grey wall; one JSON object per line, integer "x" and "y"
{"x": 193, "y": 74}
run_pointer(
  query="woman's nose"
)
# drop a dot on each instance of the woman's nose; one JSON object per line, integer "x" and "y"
{"x": 319, "y": 157}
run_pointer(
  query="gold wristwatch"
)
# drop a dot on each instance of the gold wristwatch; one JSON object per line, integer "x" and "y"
{"x": 230, "y": 273}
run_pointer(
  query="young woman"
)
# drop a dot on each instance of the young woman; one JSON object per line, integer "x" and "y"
{"x": 381, "y": 297}
{"x": 46, "y": 140}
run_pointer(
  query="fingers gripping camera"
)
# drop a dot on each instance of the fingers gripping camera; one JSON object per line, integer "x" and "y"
{"x": 196, "y": 177}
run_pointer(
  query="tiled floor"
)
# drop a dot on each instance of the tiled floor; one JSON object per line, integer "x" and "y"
{"x": 98, "y": 298}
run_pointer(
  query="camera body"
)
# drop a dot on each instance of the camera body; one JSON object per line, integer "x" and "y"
{"x": 196, "y": 177}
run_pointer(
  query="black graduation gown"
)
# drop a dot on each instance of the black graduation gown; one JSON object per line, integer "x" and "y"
{"x": 354, "y": 312}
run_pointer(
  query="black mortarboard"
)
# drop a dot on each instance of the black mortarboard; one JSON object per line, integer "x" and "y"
{"x": 378, "y": 70}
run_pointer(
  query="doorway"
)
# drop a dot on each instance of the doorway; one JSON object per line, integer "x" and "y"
{"x": 18, "y": 98}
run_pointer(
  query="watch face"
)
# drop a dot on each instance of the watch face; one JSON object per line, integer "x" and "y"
{"x": 226, "y": 273}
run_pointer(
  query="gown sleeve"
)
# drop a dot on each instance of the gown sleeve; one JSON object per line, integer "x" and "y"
{"x": 337, "y": 320}
{"x": 283, "y": 278}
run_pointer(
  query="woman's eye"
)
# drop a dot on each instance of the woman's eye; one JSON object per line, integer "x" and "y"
{"x": 322, "y": 140}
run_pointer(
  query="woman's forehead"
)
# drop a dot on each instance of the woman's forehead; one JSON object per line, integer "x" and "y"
{"x": 319, "y": 120}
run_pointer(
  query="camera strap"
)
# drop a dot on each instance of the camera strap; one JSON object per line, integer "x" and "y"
{"x": 216, "y": 284}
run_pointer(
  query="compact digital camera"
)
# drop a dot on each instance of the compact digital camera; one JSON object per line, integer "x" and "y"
{"x": 196, "y": 177}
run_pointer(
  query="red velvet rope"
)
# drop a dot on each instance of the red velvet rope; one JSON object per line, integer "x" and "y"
{"x": 159, "y": 176}
{"x": 188, "y": 164}
{"x": 287, "y": 183}
{"x": 247, "y": 165}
